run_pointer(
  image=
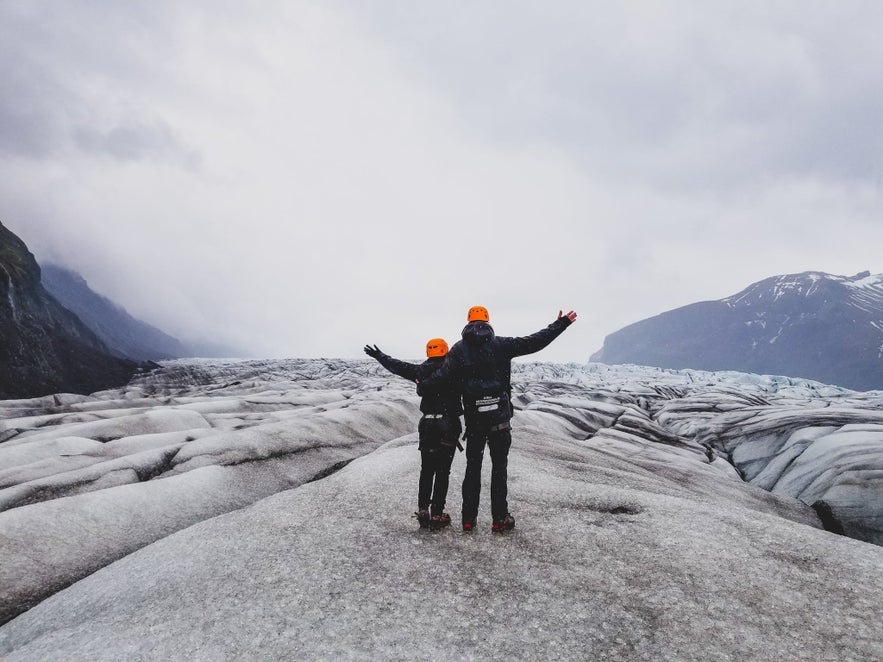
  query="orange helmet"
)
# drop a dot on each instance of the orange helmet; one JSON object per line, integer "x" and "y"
{"x": 436, "y": 347}
{"x": 478, "y": 314}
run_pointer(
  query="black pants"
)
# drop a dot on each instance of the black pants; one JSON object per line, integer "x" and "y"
{"x": 435, "y": 471}
{"x": 498, "y": 441}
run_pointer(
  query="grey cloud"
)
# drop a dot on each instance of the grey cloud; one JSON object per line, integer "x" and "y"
{"x": 31, "y": 106}
{"x": 27, "y": 130}
{"x": 137, "y": 142}
{"x": 50, "y": 65}
{"x": 727, "y": 93}
{"x": 34, "y": 99}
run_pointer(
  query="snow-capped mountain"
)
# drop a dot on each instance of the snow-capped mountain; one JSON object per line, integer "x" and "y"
{"x": 811, "y": 325}
{"x": 261, "y": 510}
{"x": 45, "y": 347}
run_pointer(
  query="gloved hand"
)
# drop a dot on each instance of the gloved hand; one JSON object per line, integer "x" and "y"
{"x": 373, "y": 352}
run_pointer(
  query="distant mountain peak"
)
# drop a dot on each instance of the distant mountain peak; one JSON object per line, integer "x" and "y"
{"x": 811, "y": 324}
{"x": 807, "y": 284}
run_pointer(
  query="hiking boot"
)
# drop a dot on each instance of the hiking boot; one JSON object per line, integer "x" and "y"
{"x": 423, "y": 517}
{"x": 440, "y": 521}
{"x": 506, "y": 523}
{"x": 468, "y": 525}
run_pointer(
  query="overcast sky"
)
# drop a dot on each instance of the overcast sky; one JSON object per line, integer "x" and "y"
{"x": 301, "y": 178}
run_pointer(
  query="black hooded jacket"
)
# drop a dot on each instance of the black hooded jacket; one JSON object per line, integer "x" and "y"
{"x": 480, "y": 365}
{"x": 440, "y": 397}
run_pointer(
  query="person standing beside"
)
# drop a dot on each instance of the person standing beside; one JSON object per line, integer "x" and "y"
{"x": 479, "y": 367}
{"x": 439, "y": 430}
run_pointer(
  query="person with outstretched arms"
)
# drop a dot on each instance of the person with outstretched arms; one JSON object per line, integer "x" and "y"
{"x": 479, "y": 367}
{"x": 439, "y": 429}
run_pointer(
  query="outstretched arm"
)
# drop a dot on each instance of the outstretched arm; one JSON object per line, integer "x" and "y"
{"x": 400, "y": 368}
{"x": 537, "y": 341}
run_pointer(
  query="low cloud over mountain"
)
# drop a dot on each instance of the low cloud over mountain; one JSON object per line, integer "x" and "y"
{"x": 123, "y": 334}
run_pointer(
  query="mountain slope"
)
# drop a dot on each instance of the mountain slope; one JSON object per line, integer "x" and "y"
{"x": 45, "y": 348}
{"x": 122, "y": 333}
{"x": 812, "y": 325}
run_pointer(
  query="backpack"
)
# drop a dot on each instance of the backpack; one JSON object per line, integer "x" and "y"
{"x": 487, "y": 410}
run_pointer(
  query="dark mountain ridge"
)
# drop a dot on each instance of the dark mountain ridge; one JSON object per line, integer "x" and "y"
{"x": 123, "y": 334}
{"x": 44, "y": 347}
{"x": 812, "y": 325}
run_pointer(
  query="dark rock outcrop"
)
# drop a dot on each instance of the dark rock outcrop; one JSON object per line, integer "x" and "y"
{"x": 811, "y": 325}
{"x": 45, "y": 348}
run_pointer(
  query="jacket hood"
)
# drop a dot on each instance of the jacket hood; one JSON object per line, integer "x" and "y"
{"x": 477, "y": 333}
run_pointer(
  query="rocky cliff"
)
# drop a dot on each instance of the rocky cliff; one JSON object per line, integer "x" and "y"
{"x": 45, "y": 348}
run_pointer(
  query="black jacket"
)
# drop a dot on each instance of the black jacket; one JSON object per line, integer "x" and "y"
{"x": 440, "y": 397}
{"x": 480, "y": 364}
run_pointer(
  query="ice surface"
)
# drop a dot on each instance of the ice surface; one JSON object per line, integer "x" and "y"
{"x": 183, "y": 517}
{"x": 607, "y": 562}
{"x": 813, "y": 453}
{"x": 119, "y": 426}
{"x": 13, "y": 457}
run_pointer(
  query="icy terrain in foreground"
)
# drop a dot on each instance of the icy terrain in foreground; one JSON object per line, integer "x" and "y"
{"x": 197, "y": 514}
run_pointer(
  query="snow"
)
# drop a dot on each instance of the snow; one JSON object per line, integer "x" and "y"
{"x": 865, "y": 291}
{"x": 873, "y": 281}
{"x": 781, "y": 329}
{"x": 208, "y": 526}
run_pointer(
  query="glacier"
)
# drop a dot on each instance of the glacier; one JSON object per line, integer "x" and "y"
{"x": 261, "y": 509}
